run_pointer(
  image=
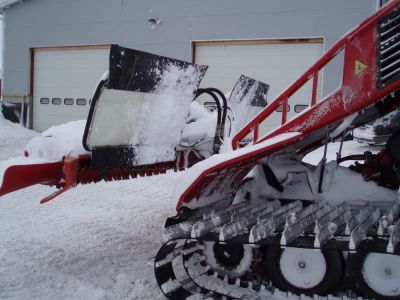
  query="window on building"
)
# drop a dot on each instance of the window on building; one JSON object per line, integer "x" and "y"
{"x": 81, "y": 101}
{"x": 69, "y": 101}
{"x": 56, "y": 101}
{"x": 44, "y": 100}
{"x": 279, "y": 109}
{"x": 300, "y": 107}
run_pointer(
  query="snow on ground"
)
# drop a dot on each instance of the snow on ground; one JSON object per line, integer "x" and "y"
{"x": 93, "y": 242}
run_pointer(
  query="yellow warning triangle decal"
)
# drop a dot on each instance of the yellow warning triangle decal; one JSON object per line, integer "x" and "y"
{"x": 359, "y": 67}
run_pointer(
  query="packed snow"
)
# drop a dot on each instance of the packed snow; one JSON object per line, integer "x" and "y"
{"x": 96, "y": 241}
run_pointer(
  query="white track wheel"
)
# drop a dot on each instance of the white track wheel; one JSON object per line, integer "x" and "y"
{"x": 304, "y": 271}
{"x": 381, "y": 273}
{"x": 232, "y": 260}
{"x": 376, "y": 274}
{"x": 303, "y": 268}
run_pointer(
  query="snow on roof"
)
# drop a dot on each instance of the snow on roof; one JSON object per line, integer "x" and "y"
{"x": 4, "y": 4}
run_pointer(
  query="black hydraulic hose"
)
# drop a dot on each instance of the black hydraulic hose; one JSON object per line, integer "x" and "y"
{"x": 322, "y": 173}
{"x": 221, "y": 121}
{"x": 219, "y": 109}
{"x": 351, "y": 157}
{"x": 225, "y": 109}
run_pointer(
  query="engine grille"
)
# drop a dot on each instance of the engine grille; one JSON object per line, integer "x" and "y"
{"x": 389, "y": 49}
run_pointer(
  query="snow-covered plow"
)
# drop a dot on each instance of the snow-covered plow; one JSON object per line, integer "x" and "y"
{"x": 259, "y": 223}
{"x": 142, "y": 121}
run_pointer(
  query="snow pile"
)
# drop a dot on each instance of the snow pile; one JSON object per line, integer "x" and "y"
{"x": 338, "y": 185}
{"x": 300, "y": 181}
{"x": 57, "y": 142}
{"x": 13, "y": 138}
{"x": 201, "y": 125}
{"x": 162, "y": 118}
{"x": 52, "y": 145}
{"x": 348, "y": 185}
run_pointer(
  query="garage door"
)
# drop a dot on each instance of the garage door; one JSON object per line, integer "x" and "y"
{"x": 275, "y": 62}
{"x": 64, "y": 80}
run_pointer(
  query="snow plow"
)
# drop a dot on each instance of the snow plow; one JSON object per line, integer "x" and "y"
{"x": 259, "y": 223}
{"x": 141, "y": 96}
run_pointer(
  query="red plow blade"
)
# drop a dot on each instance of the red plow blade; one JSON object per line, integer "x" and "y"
{"x": 21, "y": 176}
{"x": 69, "y": 172}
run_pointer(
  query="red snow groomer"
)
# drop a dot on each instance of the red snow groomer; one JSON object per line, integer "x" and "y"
{"x": 142, "y": 121}
{"x": 256, "y": 222}
{"x": 259, "y": 223}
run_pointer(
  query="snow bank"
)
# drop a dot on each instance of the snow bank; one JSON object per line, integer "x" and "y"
{"x": 51, "y": 146}
{"x": 13, "y": 138}
{"x": 58, "y": 141}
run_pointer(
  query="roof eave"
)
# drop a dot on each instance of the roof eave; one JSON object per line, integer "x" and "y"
{"x": 5, "y": 4}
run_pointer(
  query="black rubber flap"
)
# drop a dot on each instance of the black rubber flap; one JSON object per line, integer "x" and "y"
{"x": 133, "y": 70}
{"x": 104, "y": 158}
{"x": 250, "y": 91}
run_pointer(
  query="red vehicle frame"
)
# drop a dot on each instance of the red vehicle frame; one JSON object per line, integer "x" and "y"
{"x": 359, "y": 89}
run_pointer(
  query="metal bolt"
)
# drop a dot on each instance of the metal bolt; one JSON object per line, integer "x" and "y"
{"x": 302, "y": 264}
{"x": 388, "y": 271}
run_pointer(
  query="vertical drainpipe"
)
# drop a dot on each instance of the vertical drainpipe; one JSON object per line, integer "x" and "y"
{"x": 30, "y": 95}
{"x": 2, "y": 53}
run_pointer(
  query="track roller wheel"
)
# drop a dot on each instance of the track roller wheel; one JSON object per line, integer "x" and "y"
{"x": 232, "y": 260}
{"x": 304, "y": 271}
{"x": 377, "y": 275}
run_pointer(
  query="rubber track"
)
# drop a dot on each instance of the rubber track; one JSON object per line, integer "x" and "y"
{"x": 199, "y": 282}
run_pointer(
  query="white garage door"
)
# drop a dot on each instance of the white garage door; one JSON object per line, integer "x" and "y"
{"x": 275, "y": 62}
{"x": 63, "y": 83}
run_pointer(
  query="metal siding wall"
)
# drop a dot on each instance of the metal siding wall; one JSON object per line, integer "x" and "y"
{"x": 39, "y": 23}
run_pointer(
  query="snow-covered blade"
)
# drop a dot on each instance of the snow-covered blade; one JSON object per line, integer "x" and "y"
{"x": 250, "y": 91}
{"x": 139, "y": 112}
{"x": 247, "y": 98}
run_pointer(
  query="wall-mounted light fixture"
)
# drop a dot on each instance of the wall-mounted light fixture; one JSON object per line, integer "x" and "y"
{"x": 153, "y": 23}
